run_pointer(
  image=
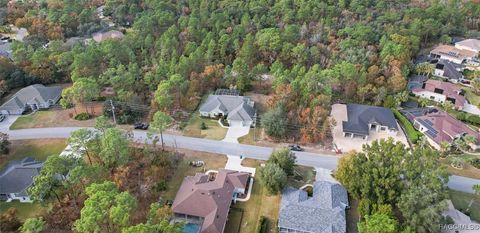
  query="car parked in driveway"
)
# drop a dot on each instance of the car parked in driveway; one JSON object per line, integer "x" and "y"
{"x": 142, "y": 126}
{"x": 2, "y": 117}
{"x": 295, "y": 147}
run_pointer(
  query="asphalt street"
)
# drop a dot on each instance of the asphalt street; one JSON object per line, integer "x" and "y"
{"x": 317, "y": 160}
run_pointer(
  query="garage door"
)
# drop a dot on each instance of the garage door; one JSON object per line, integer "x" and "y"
{"x": 236, "y": 123}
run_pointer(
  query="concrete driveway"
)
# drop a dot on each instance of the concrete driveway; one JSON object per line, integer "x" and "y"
{"x": 234, "y": 162}
{"x": 235, "y": 132}
{"x": 5, "y": 124}
{"x": 470, "y": 108}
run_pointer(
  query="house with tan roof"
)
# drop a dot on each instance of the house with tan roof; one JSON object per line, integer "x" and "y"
{"x": 110, "y": 35}
{"x": 203, "y": 201}
{"x": 440, "y": 92}
{"x": 33, "y": 97}
{"x": 469, "y": 44}
{"x": 453, "y": 54}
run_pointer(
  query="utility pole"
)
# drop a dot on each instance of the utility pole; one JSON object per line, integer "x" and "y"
{"x": 113, "y": 112}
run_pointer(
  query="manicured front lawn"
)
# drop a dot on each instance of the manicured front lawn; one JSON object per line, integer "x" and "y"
{"x": 212, "y": 162}
{"x": 38, "y": 149}
{"x": 25, "y": 210}
{"x": 461, "y": 201}
{"x": 214, "y": 130}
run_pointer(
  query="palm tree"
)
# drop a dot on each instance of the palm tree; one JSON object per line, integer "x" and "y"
{"x": 447, "y": 105}
{"x": 458, "y": 162}
{"x": 444, "y": 148}
{"x": 422, "y": 102}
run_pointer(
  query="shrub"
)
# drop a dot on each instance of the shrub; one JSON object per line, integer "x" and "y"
{"x": 203, "y": 126}
{"x": 161, "y": 186}
{"x": 412, "y": 133}
{"x": 457, "y": 163}
{"x": 475, "y": 162}
{"x": 82, "y": 116}
{"x": 262, "y": 225}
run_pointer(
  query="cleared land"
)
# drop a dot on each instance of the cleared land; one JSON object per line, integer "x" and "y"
{"x": 214, "y": 130}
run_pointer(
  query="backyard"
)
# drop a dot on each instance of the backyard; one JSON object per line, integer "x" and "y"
{"x": 38, "y": 149}
{"x": 468, "y": 170}
{"x": 213, "y": 129}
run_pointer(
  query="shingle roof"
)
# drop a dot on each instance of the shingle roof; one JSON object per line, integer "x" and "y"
{"x": 235, "y": 107}
{"x": 321, "y": 213}
{"x": 359, "y": 116}
{"x": 32, "y": 94}
{"x": 450, "y": 69}
{"x": 453, "y": 52}
{"x": 474, "y": 44}
{"x": 441, "y": 127}
{"x": 6, "y": 49}
{"x": 210, "y": 200}
{"x": 18, "y": 176}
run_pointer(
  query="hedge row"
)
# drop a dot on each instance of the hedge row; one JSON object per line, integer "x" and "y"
{"x": 412, "y": 134}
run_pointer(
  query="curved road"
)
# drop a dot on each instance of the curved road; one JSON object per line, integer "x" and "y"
{"x": 206, "y": 145}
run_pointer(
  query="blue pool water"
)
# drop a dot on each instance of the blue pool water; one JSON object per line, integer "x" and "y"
{"x": 191, "y": 228}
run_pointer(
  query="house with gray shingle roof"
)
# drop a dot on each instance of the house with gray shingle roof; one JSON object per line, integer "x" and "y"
{"x": 364, "y": 119}
{"x": 238, "y": 110}
{"x": 323, "y": 212}
{"x": 34, "y": 97}
{"x": 17, "y": 177}
{"x": 6, "y": 49}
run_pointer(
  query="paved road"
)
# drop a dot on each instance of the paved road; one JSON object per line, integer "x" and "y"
{"x": 206, "y": 145}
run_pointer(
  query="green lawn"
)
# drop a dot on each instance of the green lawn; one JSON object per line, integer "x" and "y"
{"x": 461, "y": 201}
{"x": 253, "y": 136}
{"x": 38, "y": 149}
{"x": 472, "y": 97}
{"x": 214, "y": 130}
{"x": 25, "y": 210}
{"x": 234, "y": 221}
{"x": 30, "y": 121}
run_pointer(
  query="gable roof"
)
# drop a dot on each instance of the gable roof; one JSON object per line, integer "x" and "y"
{"x": 237, "y": 108}
{"x": 453, "y": 52}
{"x": 102, "y": 36}
{"x": 210, "y": 200}
{"x": 450, "y": 69}
{"x": 472, "y": 44}
{"x": 6, "y": 49}
{"x": 441, "y": 127}
{"x": 18, "y": 176}
{"x": 359, "y": 116}
{"x": 450, "y": 90}
{"x": 323, "y": 212}
{"x": 33, "y": 94}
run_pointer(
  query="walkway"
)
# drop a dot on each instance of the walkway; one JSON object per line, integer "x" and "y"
{"x": 234, "y": 162}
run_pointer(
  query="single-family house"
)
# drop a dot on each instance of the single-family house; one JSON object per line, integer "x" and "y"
{"x": 448, "y": 70}
{"x": 362, "y": 120}
{"x": 203, "y": 201}
{"x": 323, "y": 212}
{"x": 453, "y": 54}
{"x": 110, "y": 35}
{"x": 469, "y": 44}
{"x": 33, "y": 97}
{"x": 17, "y": 177}
{"x": 238, "y": 110}
{"x": 440, "y": 91}
{"x": 439, "y": 126}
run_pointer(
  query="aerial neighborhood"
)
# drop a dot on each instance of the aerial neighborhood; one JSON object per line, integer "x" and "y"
{"x": 226, "y": 116}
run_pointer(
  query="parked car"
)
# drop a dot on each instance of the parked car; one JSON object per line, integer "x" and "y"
{"x": 295, "y": 147}
{"x": 2, "y": 117}
{"x": 198, "y": 163}
{"x": 143, "y": 126}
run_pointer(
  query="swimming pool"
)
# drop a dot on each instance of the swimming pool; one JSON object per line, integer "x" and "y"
{"x": 191, "y": 228}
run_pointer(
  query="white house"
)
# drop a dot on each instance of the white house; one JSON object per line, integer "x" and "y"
{"x": 440, "y": 92}
{"x": 34, "y": 97}
{"x": 17, "y": 177}
{"x": 469, "y": 44}
{"x": 453, "y": 54}
{"x": 238, "y": 110}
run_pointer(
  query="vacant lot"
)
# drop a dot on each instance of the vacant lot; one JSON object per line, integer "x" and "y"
{"x": 461, "y": 201}
{"x": 38, "y": 149}
{"x": 214, "y": 130}
{"x": 212, "y": 162}
{"x": 56, "y": 118}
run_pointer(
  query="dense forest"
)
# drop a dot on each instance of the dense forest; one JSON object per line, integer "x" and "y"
{"x": 316, "y": 52}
